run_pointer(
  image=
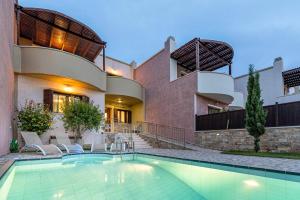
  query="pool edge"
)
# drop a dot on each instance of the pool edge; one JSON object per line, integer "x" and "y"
{"x": 10, "y": 163}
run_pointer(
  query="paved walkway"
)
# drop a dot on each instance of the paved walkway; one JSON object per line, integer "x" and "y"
{"x": 201, "y": 155}
{"x": 289, "y": 165}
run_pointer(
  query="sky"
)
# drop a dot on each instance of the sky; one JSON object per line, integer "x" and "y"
{"x": 258, "y": 31}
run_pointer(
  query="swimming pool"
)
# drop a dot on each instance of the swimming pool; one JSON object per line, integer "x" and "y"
{"x": 101, "y": 176}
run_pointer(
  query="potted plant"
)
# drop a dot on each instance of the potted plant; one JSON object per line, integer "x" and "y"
{"x": 80, "y": 116}
{"x": 34, "y": 117}
{"x": 14, "y": 146}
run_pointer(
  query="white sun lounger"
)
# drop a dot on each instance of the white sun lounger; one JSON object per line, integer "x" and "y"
{"x": 96, "y": 140}
{"x": 33, "y": 141}
{"x": 64, "y": 141}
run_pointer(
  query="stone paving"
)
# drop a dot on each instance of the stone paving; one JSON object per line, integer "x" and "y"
{"x": 200, "y": 154}
{"x": 287, "y": 165}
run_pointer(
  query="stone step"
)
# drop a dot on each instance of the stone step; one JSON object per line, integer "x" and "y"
{"x": 140, "y": 143}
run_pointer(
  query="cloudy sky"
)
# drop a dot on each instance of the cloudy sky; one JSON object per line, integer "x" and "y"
{"x": 258, "y": 31}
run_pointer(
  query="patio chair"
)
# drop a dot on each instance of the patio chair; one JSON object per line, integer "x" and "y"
{"x": 33, "y": 141}
{"x": 118, "y": 142}
{"x": 64, "y": 141}
{"x": 97, "y": 141}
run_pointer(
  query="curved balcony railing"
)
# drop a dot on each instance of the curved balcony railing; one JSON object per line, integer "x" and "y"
{"x": 238, "y": 101}
{"x": 48, "y": 61}
{"x": 216, "y": 86}
{"x": 126, "y": 87}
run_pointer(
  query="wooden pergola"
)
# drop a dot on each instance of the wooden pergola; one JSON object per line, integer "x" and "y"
{"x": 55, "y": 30}
{"x": 204, "y": 55}
{"x": 291, "y": 77}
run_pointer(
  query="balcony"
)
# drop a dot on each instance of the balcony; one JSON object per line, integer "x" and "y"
{"x": 51, "y": 63}
{"x": 238, "y": 102}
{"x": 216, "y": 86}
{"x": 123, "y": 90}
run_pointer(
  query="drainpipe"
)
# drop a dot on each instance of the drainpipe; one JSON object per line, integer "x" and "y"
{"x": 103, "y": 61}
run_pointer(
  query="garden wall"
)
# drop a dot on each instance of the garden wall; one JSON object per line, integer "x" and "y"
{"x": 276, "y": 139}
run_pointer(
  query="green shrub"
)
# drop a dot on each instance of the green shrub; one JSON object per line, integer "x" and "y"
{"x": 34, "y": 117}
{"x": 14, "y": 146}
{"x": 80, "y": 116}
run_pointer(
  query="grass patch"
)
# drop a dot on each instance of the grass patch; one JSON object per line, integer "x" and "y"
{"x": 264, "y": 154}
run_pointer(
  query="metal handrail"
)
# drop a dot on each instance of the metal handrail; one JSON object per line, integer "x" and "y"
{"x": 161, "y": 132}
{"x": 157, "y": 131}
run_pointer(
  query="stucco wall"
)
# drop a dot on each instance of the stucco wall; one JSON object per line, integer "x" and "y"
{"x": 124, "y": 86}
{"x": 32, "y": 89}
{"x": 169, "y": 102}
{"x": 284, "y": 139}
{"x": 115, "y": 66}
{"x": 7, "y": 37}
{"x": 203, "y": 103}
{"x": 271, "y": 83}
{"x": 31, "y": 60}
{"x": 138, "y": 112}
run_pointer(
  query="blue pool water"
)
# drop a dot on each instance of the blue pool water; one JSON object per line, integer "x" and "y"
{"x": 142, "y": 177}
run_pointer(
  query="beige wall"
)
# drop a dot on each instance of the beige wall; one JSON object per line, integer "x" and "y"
{"x": 124, "y": 86}
{"x": 116, "y": 67}
{"x": 138, "y": 112}
{"x": 7, "y": 37}
{"x": 30, "y": 88}
{"x": 41, "y": 60}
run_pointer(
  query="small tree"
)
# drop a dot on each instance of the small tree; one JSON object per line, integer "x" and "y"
{"x": 255, "y": 113}
{"x": 80, "y": 116}
{"x": 34, "y": 117}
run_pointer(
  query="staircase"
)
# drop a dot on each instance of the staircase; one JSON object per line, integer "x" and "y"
{"x": 140, "y": 143}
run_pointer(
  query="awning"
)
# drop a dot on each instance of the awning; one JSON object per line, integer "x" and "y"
{"x": 291, "y": 77}
{"x": 55, "y": 30}
{"x": 211, "y": 55}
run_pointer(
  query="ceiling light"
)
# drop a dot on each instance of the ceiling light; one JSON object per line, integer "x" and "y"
{"x": 68, "y": 88}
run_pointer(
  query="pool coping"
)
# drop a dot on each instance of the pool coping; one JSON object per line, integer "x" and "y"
{"x": 5, "y": 168}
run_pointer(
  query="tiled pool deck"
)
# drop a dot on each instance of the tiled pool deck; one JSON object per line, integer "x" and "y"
{"x": 286, "y": 165}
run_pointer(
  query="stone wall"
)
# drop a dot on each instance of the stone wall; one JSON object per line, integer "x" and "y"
{"x": 7, "y": 39}
{"x": 279, "y": 139}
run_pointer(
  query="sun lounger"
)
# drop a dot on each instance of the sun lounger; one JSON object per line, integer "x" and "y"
{"x": 33, "y": 141}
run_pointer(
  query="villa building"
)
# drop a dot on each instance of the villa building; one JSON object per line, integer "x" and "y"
{"x": 50, "y": 58}
{"x": 276, "y": 84}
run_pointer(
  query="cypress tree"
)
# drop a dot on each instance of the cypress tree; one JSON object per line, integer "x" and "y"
{"x": 255, "y": 114}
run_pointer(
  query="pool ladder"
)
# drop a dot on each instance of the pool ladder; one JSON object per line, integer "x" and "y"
{"x": 120, "y": 150}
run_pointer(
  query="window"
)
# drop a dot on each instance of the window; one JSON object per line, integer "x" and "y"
{"x": 213, "y": 109}
{"x": 122, "y": 116}
{"x": 56, "y": 100}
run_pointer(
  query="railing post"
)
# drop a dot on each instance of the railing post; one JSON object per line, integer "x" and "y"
{"x": 276, "y": 114}
{"x": 156, "y": 132}
{"x": 228, "y": 120}
{"x": 184, "y": 138}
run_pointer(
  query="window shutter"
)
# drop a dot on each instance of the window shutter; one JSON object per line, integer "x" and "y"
{"x": 129, "y": 117}
{"x": 85, "y": 99}
{"x": 115, "y": 115}
{"x": 48, "y": 99}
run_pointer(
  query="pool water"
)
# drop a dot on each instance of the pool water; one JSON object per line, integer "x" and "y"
{"x": 142, "y": 177}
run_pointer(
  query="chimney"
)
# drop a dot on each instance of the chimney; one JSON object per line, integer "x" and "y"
{"x": 278, "y": 64}
{"x": 170, "y": 44}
